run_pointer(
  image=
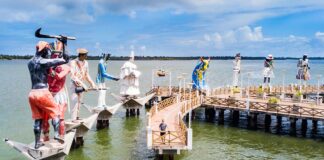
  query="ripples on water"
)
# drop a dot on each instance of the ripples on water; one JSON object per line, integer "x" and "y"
{"x": 126, "y": 137}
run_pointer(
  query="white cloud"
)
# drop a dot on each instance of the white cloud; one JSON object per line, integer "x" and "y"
{"x": 247, "y": 34}
{"x": 218, "y": 40}
{"x": 132, "y": 14}
{"x": 121, "y": 48}
{"x": 89, "y": 9}
{"x": 132, "y": 47}
{"x": 54, "y": 9}
{"x": 143, "y": 48}
{"x": 252, "y": 42}
{"x": 229, "y": 37}
{"x": 206, "y": 6}
{"x": 242, "y": 34}
{"x": 319, "y": 36}
{"x": 207, "y": 37}
{"x": 39, "y": 10}
{"x": 14, "y": 16}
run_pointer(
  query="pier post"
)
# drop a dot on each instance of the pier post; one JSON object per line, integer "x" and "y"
{"x": 293, "y": 122}
{"x": 210, "y": 114}
{"x": 138, "y": 111}
{"x": 106, "y": 122}
{"x": 252, "y": 120}
{"x": 206, "y": 113}
{"x": 134, "y": 112}
{"x": 236, "y": 116}
{"x": 193, "y": 114}
{"x": 304, "y": 127}
{"x": 314, "y": 124}
{"x": 77, "y": 142}
{"x": 304, "y": 123}
{"x": 213, "y": 112}
{"x": 279, "y": 121}
{"x": 293, "y": 126}
{"x": 127, "y": 112}
{"x": 221, "y": 116}
{"x": 99, "y": 124}
{"x": 267, "y": 120}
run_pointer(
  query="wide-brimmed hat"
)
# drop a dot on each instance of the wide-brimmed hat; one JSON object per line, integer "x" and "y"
{"x": 270, "y": 57}
{"x": 82, "y": 51}
{"x": 238, "y": 55}
{"x": 41, "y": 45}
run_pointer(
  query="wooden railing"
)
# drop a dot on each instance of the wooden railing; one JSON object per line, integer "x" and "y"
{"x": 163, "y": 104}
{"x": 160, "y": 90}
{"x": 187, "y": 95}
{"x": 293, "y": 109}
{"x": 254, "y": 90}
{"x": 179, "y": 136}
{"x": 170, "y": 138}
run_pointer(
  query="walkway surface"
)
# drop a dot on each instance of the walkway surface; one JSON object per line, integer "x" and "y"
{"x": 170, "y": 115}
{"x": 173, "y": 109}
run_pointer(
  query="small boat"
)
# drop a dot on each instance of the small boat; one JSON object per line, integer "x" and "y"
{"x": 133, "y": 102}
{"x": 104, "y": 113}
{"x": 51, "y": 150}
{"x": 161, "y": 73}
{"x": 82, "y": 126}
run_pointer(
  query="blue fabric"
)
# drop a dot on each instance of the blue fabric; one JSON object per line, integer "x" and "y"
{"x": 102, "y": 73}
{"x": 197, "y": 84}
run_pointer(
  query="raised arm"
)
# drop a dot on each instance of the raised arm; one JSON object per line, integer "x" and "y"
{"x": 55, "y": 62}
{"x": 63, "y": 73}
{"x": 52, "y": 62}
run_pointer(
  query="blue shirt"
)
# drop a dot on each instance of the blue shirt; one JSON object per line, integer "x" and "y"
{"x": 102, "y": 73}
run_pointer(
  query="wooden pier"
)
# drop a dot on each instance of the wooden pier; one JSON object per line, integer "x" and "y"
{"x": 178, "y": 136}
{"x": 177, "y": 103}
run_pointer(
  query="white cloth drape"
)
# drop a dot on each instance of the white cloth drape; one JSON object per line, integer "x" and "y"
{"x": 129, "y": 79}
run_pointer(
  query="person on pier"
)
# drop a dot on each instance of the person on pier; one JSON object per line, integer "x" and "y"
{"x": 268, "y": 71}
{"x": 236, "y": 69}
{"x": 129, "y": 79}
{"x": 79, "y": 73}
{"x": 102, "y": 74}
{"x": 40, "y": 99}
{"x": 56, "y": 82}
{"x": 163, "y": 127}
{"x": 303, "y": 69}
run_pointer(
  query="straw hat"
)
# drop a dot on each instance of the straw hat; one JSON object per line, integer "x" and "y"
{"x": 270, "y": 57}
{"x": 82, "y": 51}
{"x": 41, "y": 45}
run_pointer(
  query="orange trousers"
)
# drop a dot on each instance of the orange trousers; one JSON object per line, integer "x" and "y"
{"x": 42, "y": 102}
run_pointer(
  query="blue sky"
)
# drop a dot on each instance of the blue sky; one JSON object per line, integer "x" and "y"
{"x": 175, "y": 28}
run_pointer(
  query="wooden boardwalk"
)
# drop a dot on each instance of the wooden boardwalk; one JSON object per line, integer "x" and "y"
{"x": 283, "y": 108}
{"x": 177, "y": 104}
{"x": 178, "y": 136}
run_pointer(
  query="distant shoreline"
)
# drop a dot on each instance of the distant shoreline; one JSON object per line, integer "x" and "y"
{"x": 119, "y": 58}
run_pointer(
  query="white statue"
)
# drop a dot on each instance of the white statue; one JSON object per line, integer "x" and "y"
{"x": 129, "y": 78}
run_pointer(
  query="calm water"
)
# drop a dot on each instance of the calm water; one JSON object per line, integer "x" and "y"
{"x": 125, "y": 138}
